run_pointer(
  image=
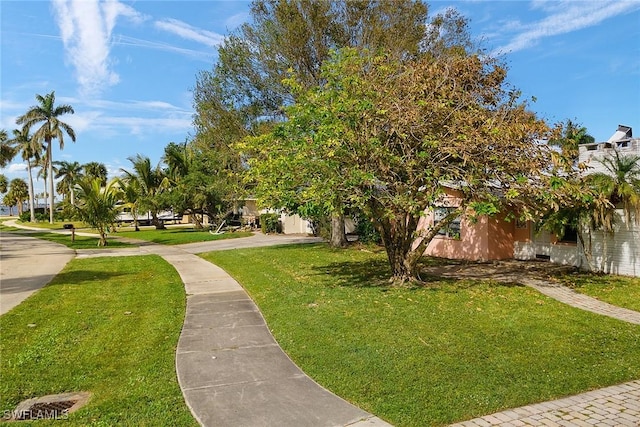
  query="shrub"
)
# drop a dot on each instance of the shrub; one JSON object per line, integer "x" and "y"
{"x": 25, "y": 216}
{"x": 42, "y": 217}
{"x": 270, "y": 223}
{"x": 365, "y": 230}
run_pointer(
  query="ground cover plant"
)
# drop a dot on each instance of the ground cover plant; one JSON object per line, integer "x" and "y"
{"x": 179, "y": 235}
{"x": 431, "y": 355}
{"x": 104, "y": 325}
{"x": 617, "y": 290}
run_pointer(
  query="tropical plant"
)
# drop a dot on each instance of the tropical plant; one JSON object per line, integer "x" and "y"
{"x": 130, "y": 195}
{"x": 97, "y": 205}
{"x": 19, "y": 191}
{"x": 9, "y": 200}
{"x": 569, "y": 137}
{"x": 196, "y": 188}
{"x": 71, "y": 173}
{"x": 30, "y": 149}
{"x": 6, "y": 151}
{"x": 4, "y": 184}
{"x": 591, "y": 201}
{"x": 96, "y": 170}
{"x": 151, "y": 183}
{"x": 46, "y": 114}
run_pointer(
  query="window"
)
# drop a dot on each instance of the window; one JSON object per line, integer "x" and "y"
{"x": 570, "y": 235}
{"x": 452, "y": 230}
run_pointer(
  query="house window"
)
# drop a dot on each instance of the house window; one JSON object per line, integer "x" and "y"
{"x": 452, "y": 230}
{"x": 570, "y": 236}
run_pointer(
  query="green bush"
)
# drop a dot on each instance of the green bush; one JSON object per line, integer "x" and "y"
{"x": 25, "y": 216}
{"x": 270, "y": 223}
{"x": 42, "y": 217}
{"x": 365, "y": 230}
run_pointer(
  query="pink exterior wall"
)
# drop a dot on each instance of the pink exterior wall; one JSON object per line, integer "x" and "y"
{"x": 486, "y": 239}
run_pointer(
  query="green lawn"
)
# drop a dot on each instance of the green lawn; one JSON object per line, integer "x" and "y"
{"x": 433, "y": 355}
{"x": 177, "y": 236}
{"x": 104, "y": 325}
{"x": 616, "y": 290}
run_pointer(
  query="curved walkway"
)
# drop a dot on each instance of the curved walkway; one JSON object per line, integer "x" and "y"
{"x": 26, "y": 265}
{"x": 233, "y": 373}
{"x": 231, "y": 370}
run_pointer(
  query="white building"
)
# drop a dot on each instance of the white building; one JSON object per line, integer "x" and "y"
{"x": 617, "y": 252}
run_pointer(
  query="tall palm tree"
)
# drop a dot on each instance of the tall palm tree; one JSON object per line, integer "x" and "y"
{"x": 96, "y": 170}
{"x": 70, "y": 172}
{"x": 30, "y": 148}
{"x": 47, "y": 114}
{"x": 152, "y": 182}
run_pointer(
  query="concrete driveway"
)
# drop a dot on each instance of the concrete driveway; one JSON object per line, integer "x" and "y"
{"x": 26, "y": 265}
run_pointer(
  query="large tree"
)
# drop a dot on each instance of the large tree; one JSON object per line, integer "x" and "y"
{"x": 30, "y": 149}
{"x": 244, "y": 92}
{"x": 390, "y": 135}
{"x": 47, "y": 115}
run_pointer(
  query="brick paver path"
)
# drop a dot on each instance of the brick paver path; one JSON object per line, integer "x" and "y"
{"x": 584, "y": 302}
{"x": 615, "y": 406}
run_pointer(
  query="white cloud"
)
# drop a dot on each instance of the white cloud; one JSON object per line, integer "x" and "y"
{"x": 236, "y": 20}
{"x": 564, "y": 17}
{"x": 86, "y": 27}
{"x": 188, "y": 32}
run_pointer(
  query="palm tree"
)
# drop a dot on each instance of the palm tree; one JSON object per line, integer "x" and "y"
{"x": 70, "y": 172}
{"x": 52, "y": 128}
{"x": 98, "y": 205}
{"x": 620, "y": 186}
{"x": 130, "y": 195}
{"x": 30, "y": 148}
{"x": 6, "y": 151}
{"x": 19, "y": 190}
{"x": 96, "y": 170}
{"x": 152, "y": 182}
{"x": 4, "y": 184}
{"x": 571, "y": 136}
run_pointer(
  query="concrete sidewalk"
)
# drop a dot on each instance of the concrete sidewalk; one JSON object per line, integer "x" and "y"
{"x": 230, "y": 369}
{"x": 26, "y": 265}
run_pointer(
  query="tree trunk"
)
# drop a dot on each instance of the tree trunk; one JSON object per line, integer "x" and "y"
{"x": 31, "y": 197}
{"x": 50, "y": 161}
{"x": 338, "y": 237}
{"x": 156, "y": 222}
{"x": 404, "y": 245}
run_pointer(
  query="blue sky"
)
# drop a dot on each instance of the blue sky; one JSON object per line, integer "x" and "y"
{"x": 128, "y": 68}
